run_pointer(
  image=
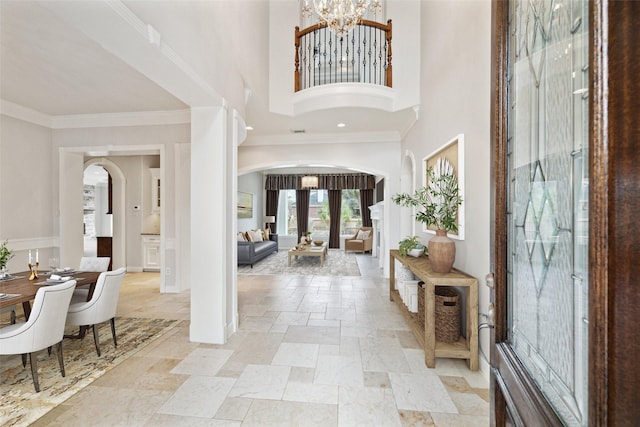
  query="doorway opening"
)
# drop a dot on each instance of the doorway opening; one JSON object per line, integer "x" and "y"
{"x": 98, "y": 213}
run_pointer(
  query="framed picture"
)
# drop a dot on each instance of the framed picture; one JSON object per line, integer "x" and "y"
{"x": 453, "y": 152}
{"x": 245, "y": 205}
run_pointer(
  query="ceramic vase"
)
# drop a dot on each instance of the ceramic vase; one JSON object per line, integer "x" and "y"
{"x": 442, "y": 252}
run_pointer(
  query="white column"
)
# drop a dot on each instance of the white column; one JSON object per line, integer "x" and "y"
{"x": 209, "y": 222}
{"x": 70, "y": 198}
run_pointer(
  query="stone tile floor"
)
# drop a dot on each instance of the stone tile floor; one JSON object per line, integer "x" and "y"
{"x": 310, "y": 350}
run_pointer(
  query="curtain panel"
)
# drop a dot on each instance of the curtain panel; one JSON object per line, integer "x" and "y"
{"x": 355, "y": 181}
{"x": 366, "y": 200}
{"x": 271, "y": 209}
{"x": 302, "y": 211}
{"x": 335, "y": 207}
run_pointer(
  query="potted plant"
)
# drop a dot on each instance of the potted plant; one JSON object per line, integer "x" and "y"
{"x": 439, "y": 202}
{"x": 411, "y": 246}
{"x": 5, "y": 255}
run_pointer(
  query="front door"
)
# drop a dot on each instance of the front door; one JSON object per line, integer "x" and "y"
{"x": 566, "y": 190}
{"x": 541, "y": 340}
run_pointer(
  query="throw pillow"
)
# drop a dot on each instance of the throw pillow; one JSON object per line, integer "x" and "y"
{"x": 256, "y": 235}
{"x": 362, "y": 235}
{"x": 265, "y": 234}
{"x": 241, "y": 237}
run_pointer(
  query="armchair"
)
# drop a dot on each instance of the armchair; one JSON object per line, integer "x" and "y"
{"x": 43, "y": 329}
{"x": 362, "y": 241}
{"x": 101, "y": 307}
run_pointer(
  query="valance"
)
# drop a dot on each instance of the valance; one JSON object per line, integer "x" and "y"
{"x": 350, "y": 181}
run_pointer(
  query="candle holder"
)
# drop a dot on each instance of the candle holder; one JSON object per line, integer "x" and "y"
{"x": 34, "y": 270}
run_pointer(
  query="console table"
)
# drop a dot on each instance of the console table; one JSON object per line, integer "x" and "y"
{"x": 465, "y": 347}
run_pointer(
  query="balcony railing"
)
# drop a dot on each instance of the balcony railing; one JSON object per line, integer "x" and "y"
{"x": 363, "y": 56}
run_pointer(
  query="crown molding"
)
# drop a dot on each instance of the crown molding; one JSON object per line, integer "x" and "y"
{"x": 25, "y": 114}
{"x": 74, "y": 121}
{"x": 324, "y": 138}
{"x": 142, "y": 118}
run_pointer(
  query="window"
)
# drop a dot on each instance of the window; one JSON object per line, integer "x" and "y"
{"x": 319, "y": 218}
{"x": 351, "y": 215}
{"x": 319, "y": 214}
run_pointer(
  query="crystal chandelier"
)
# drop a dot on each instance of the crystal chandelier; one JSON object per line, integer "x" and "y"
{"x": 341, "y": 15}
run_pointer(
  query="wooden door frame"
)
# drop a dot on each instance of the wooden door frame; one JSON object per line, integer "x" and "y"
{"x": 614, "y": 246}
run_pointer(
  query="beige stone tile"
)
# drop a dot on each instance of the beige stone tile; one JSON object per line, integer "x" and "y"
{"x": 257, "y": 348}
{"x": 454, "y": 420}
{"x": 233, "y": 408}
{"x": 377, "y": 379}
{"x": 145, "y": 373}
{"x": 165, "y": 420}
{"x": 50, "y": 418}
{"x": 111, "y": 406}
{"x": 469, "y": 403}
{"x": 416, "y": 419}
{"x": 261, "y": 382}
{"x": 296, "y": 354}
{"x": 199, "y": 396}
{"x": 302, "y": 375}
{"x": 312, "y": 335}
{"x": 367, "y": 406}
{"x": 281, "y": 413}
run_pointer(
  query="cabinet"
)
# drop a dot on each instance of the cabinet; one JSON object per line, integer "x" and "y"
{"x": 155, "y": 190}
{"x": 105, "y": 248}
{"x": 151, "y": 253}
{"x": 465, "y": 347}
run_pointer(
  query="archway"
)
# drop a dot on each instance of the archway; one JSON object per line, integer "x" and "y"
{"x": 407, "y": 185}
{"x": 119, "y": 254}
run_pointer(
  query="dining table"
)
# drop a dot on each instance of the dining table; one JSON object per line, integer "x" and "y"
{"x": 18, "y": 289}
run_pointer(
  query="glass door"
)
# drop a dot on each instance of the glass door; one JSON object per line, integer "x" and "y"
{"x": 544, "y": 347}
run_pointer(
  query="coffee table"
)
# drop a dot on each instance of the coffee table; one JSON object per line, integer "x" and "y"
{"x": 309, "y": 250}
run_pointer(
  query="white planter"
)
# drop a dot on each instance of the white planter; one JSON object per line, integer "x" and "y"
{"x": 416, "y": 252}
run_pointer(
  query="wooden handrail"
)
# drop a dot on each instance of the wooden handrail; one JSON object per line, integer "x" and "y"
{"x": 387, "y": 28}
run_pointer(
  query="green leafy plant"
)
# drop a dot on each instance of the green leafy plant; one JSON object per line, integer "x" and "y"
{"x": 438, "y": 201}
{"x": 5, "y": 254}
{"x": 409, "y": 243}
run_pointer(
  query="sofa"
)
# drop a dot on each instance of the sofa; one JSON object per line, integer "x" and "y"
{"x": 252, "y": 252}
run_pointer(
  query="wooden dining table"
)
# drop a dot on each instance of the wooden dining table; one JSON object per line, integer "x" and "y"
{"x": 21, "y": 290}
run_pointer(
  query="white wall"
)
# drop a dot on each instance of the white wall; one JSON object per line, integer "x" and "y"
{"x": 456, "y": 100}
{"x": 26, "y": 187}
{"x": 252, "y": 183}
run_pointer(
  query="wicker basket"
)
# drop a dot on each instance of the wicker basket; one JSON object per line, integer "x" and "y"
{"x": 447, "y": 314}
{"x": 421, "y": 304}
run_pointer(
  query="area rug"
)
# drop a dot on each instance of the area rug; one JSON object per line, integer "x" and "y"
{"x": 20, "y": 405}
{"x": 336, "y": 263}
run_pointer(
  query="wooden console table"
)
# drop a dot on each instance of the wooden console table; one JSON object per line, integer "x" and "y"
{"x": 465, "y": 347}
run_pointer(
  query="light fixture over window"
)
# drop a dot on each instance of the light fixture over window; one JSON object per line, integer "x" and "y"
{"x": 309, "y": 182}
{"x": 341, "y": 15}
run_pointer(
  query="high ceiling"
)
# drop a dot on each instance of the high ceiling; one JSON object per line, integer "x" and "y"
{"x": 54, "y": 68}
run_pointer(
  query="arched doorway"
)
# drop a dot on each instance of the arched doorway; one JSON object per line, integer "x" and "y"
{"x": 117, "y": 218}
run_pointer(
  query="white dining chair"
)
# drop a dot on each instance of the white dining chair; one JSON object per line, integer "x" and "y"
{"x": 89, "y": 263}
{"x": 101, "y": 307}
{"x": 94, "y": 263}
{"x": 43, "y": 329}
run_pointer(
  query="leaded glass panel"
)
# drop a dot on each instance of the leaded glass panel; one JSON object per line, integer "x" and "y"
{"x": 548, "y": 198}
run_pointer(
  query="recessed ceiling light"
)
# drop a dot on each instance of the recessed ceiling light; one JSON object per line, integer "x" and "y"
{"x": 249, "y": 128}
{"x": 341, "y": 125}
